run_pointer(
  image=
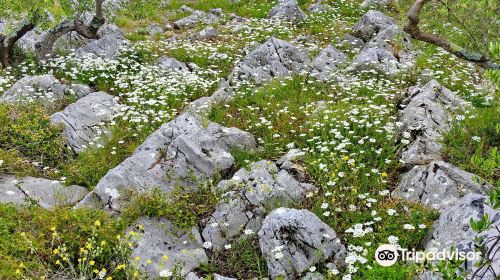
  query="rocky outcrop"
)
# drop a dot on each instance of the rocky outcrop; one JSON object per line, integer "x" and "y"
{"x": 208, "y": 33}
{"x": 294, "y": 240}
{"x": 154, "y": 238}
{"x": 195, "y": 18}
{"x": 273, "y": 58}
{"x": 287, "y": 10}
{"x": 44, "y": 88}
{"x": 170, "y": 63}
{"x": 424, "y": 118}
{"x": 43, "y": 192}
{"x": 109, "y": 44}
{"x": 438, "y": 184}
{"x": 452, "y": 230}
{"x": 371, "y": 23}
{"x": 327, "y": 62}
{"x": 83, "y": 120}
{"x": 250, "y": 194}
{"x": 181, "y": 153}
{"x": 154, "y": 29}
{"x": 379, "y": 59}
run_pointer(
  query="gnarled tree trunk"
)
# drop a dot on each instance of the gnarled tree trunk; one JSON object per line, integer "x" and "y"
{"x": 8, "y": 41}
{"x": 44, "y": 48}
{"x": 415, "y": 32}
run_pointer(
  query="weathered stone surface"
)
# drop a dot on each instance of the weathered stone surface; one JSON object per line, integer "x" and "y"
{"x": 424, "y": 118}
{"x": 35, "y": 88}
{"x": 273, "y": 58}
{"x": 9, "y": 192}
{"x": 80, "y": 90}
{"x": 220, "y": 277}
{"x": 378, "y": 3}
{"x": 302, "y": 239}
{"x": 250, "y": 194}
{"x": 327, "y": 61}
{"x": 44, "y": 192}
{"x": 195, "y": 18}
{"x": 83, "y": 119}
{"x": 181, "y": 153}
{"x": 438, "y": 184}
{"x": 154, "y": 29}
{"x": 313, "y": 276}
{"x": 208, "y": 33}
{"x": 352, "y": 42}
{"x": 28, "y": 41}
{"x": 318, "y": 8}
{"x": 192, "y": 276}
{"x": 158, "y": 237}
{"x": 375, "y": 58}
{"x": 108, "y": 46}
{"x": 452, "y": 229}
{"x": 287, "y": 10}
{"x": 170, "y": 63}
{"x": 371, "y": 23}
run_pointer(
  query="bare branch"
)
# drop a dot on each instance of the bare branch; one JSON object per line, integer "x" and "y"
{"x": 415, "y": 32}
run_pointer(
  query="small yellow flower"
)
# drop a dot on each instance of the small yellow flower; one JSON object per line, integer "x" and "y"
{"x": 345, "y": 157}
{"x": 137, "y": 258}
{"x": 118, "y": 237}
{"x": 121, "y": 266}
{"x": 97, "y": 223}
{"x": 95, "y": 271}
{"x": 384, "y": 174}
{"x": 55, "y": 251}
{"x": 165, "y": 257}
{"x": 136, "y": 273}
{"x": 103, "y": 243}
{"x": 53, "y": 228}
{"x": 149, "y": 261}
{"x": 58, "y": 262}
{"x": 109, "y": 278}
{"x": 23, "y": 234}
{"x": 18, "y": 271}
{"x": 91, "y": 263}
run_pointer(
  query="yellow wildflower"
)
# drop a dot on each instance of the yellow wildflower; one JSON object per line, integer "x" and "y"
{"x": 97, "y": 223}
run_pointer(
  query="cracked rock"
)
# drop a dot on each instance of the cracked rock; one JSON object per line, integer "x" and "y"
{"x": 250, "y": 194}
{"x": 438, "y": 184}
{"x": 327, "y": 61}
{"x": 208, "y": 33}
{"x": 44, "y": 192}
{"x": 195, "y": 18}
{"x": 35, "y": 88}
{"x": 154, "y": 29}
{"x": 287, "y": 10}
{"x": 170, "y": 63}
{"x": 107, "y": 46}
{"x": 182, "y": 153}
{"x": 371, "y": 23}
{"x": 82, "y": 120}
{"x": 273, "y": 58}
{"x": 154, "y": 238}
{"x": 376, "y": 58}
{"x": 452, "y": 229}
{"x": 425, "y": 117}
{"x": 302, "y": 239}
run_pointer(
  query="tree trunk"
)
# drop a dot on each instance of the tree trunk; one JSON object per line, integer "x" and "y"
{"x": 8, "y": 41}
{"x": 43, "y": 49}
{"x": 415, "y": 32}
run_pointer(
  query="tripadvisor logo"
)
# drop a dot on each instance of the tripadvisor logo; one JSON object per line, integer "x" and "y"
{"x": 387, "y": 255}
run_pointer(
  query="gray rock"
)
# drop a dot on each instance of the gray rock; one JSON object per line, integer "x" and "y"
{"x": 28, "y": 41}
{"x": 208, "y": 33}
{"x": 425, "y": 117}
{"x": 220, "y": 277}
{"x": 111, "y": 7}
{"x": 192, "y": 276}
{"x": 378, "y": 3}
{"x": 313, "y": 276}
{"x": 83, "y": 120}
{"x": 159, "y": 237}
{"x": 352, "y": 42}
{"x": 438, "y": 184}
{"x": 287, "y": 10}
{"x": 273, "y": 58}
{"x": 428, "y": 275}
{"x": 44, "y": 192}
{"x": 195, "y": 18}
{"x": 250, "y": 194}
{"x": 107, "y": 46}
{"x": 9, "y": 192}
{"x": 35, "y": 88}
{"x": 452, "y": 229}
{"x": 371, "y": 23}
{"x": 289, "y": 162}
{"x": 316, "y": 8}
{"x": 302, "y": 239}
{"x": 182, "y": 152}
{"x": 80, "y": 90}
{"x": 170, "y": 63}
{"x": 109, "y": 29}
{"x": 154, "y": 29}
{"x": 217, "y": 11}
{"x": 327, "y": 61}
{"x": 375, "y": 58}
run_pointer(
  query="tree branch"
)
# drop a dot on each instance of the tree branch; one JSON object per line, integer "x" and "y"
{"x": 415, "y": 32}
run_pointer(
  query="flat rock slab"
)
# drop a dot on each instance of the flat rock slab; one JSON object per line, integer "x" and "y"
{"x": 287, "y": 10}
{"x": 375, "y": 58}
{"x": 327, "y": 61}
{"x": 46, "y": 193}
{"x": 438, "y": 184}
{"x": 108, "y": 46}
{"x": 371, "y": 23}
{"x": 44, "y": 88}
{"x": 250, "y": 194}
{"x": 195, "y": 18}
{"x": 424, "y": 118}
{"x": 83, "y": 120}
{"x": 452, "y": 229}
{"x": 294, "y": 240}
{"x": 170, "y": 63}
{"x": 273, "y": 58}
{"x": 158, "y": 237}
{"x": 182, "y": 152}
